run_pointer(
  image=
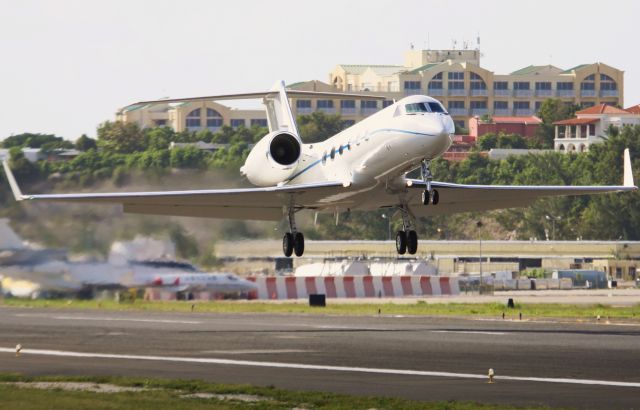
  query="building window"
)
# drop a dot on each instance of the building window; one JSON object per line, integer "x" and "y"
{"x": 477, "y": 83}
{"x": 325, "y": 103}
{"x": 348, "y": 123}
{"x": 456, "y": 105}
{"x": 618, "y": 273}
{"x": 160, "y": 123}
{"x": 478, "y": 105}
{"x": 412, "y": 85}
{"x": 235, "y": 123}
{"x": 608, "y": 86}
{"x": 500, "y": 105}
{"x": 303, "y": 104}
{"x": 347, "y": 104}
{"x": 589, "y": 83}
{"x": 521, "y": 105}
{"x": 259, "y": 122}
{"x": 500, "y": 85}
{"x": 436, "y": 82}
{"x": 587, "y": 104}
{"x": 193, "y": 119}
{"x": 565, "y": 86}
{"x": 214, "y": 119}
{"x": 521, "y": 85}
{"x": 543, "y": 85}
{"x": 387, "y": 103}
{"x": 456, "y": 80}
{"x": 369, "y": 104}
{"x": 537, "y": 106}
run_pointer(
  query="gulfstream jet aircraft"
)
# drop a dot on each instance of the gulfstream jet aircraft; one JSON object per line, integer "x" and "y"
{"x": 363, "y": 167}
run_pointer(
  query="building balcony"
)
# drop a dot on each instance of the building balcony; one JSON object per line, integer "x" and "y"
{"x": 523, "y": 112}
{"x": 327, "y": 110}
{"x": 502, "y": 93}
{"x": 566, "y": 93}
{"x": 608, "y": 93}
{"x": 479, "y": 111}
{"x": 412, "y": 91}
{"x": 544, "y": 93}
{"x": 368, "y": 111}
{"x": 502, "y": 112}
{"x": 348, "y": 111}
{"x": 437, "y": 92}
{"x": 457, "y": 92}
{"x": 522, "y": 93}
{"x": 304, "y": 110}
{"x": 479, "y": 92}
{"x": 587, "y": 93}
{"x": 458, "y": 112}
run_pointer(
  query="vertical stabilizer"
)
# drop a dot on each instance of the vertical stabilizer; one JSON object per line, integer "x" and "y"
{"x": 628, "y": 172}
{"x": 279, "y": 113}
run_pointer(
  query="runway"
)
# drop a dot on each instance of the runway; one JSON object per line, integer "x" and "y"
{"x": 423, "y": 358}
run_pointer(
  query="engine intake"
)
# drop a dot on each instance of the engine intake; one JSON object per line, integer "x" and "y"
{"x": 284, "y": 149}
{"x": 274, "y": 159}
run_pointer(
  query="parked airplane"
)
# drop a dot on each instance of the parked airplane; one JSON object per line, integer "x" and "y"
{"x": 32, "y": 277}
{"x": 363, "y": 167}
{"x": 62, "y": 277}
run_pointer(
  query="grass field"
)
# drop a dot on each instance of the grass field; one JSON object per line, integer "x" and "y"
{"x": 537, "y": 310}
{"x": 27, "y": 393}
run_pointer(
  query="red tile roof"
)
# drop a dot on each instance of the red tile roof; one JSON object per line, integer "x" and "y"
{"x": 602, "y": 109}
{"x": 516, "y": 120}
{"x": 634, "y": 110}
{"x": 577, "y": 121}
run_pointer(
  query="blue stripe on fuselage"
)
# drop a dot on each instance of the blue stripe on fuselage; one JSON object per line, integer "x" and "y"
{"x": 325, "y": 156}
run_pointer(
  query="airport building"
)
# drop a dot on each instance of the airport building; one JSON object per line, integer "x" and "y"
{"x": 454, "y": 77}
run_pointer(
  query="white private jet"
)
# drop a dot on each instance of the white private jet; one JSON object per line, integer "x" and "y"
{"x": 363, "y": 167}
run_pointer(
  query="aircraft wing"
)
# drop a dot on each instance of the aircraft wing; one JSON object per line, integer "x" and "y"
{"x": 455, "y": 198}
{"x": 239, "y": 203}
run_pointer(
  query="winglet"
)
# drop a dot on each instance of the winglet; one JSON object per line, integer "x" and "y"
{"x": 628, "y": 172}
{"x": 12, "y": 181}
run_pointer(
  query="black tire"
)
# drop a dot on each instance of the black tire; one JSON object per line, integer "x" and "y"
{"x": 435, "y": 197}
{"x": 425, "y": 197}
{"x": 298, "y": 244}
{"x": 401, "y": 242}
{"x": 287, "y": 244}
{"x": 412, "y": 242}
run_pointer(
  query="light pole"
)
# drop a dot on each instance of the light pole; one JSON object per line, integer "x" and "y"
{"x": 384, "y": 216}
{"x": 479, "y": 225}
{"x": 553, "y": 220}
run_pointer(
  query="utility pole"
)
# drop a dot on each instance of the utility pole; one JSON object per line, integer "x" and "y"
{"x": 479, "y": 225}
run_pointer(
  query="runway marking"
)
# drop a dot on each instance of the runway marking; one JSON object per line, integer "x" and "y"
{"x": 257, "y": 351}
{"x": 118, "y": 319}
{"x": 472, "y": 332}
{"x": 301, "y": 366}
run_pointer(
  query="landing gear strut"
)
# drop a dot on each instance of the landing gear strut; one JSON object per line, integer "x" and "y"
{"x": 293, "y": 241}
{"x": 407, "y": 238}
{"x": 429, "y": 195}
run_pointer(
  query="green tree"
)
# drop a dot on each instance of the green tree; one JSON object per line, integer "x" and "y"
{"x": 552, "y": 110}
{"x": 31, "y": 140}
{"x": 85, "y": 143}
{"x": 318, "y": 126}
{"x": 121, "y": 137}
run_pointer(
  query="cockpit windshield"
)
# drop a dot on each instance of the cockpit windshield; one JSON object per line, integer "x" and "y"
{"x": 423, "y": 107}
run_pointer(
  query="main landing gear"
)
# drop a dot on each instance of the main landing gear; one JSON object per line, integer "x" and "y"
{"x": 429, "y": 195}
{"x": 293, "y": 241}
{"x": 407, "y": 238}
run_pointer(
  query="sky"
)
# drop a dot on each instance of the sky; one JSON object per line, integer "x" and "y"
{"x": 68, "y": 65}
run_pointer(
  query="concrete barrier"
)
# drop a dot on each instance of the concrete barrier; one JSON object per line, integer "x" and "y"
{"x": 291, "y": 287}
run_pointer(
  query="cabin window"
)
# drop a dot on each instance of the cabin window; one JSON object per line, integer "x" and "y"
{"x": 435, "y": 107}
{"x": 333, "y": 153}
{"x": 340, "y": 150}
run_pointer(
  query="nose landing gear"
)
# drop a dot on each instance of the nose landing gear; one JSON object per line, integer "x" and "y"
{"x": 429, "y": 195}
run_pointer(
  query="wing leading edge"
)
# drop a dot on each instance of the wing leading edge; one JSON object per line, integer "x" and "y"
{"x": 456, "y": 198}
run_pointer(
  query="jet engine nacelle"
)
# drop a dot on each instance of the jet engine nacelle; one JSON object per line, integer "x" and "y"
{"x": 274, "y": 159}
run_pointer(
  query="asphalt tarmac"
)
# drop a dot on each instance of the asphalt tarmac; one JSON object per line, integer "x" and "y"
{"x": 566, "y": 364}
